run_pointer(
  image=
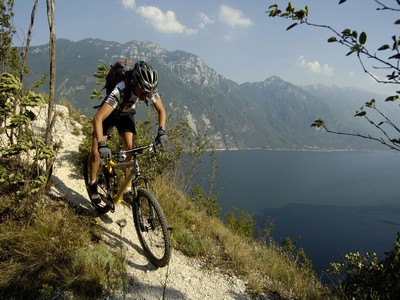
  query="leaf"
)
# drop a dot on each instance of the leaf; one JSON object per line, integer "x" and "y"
{"x": 370, "y": 103}
{"x": 384, "y": 47}
{"x": 290, "y": 7}
{"x": 395, "y": 43}
{"x": 396, "y": 141}
{"x": 275, "y": 12}
{"x": 291, "y": 26}
{"x": 360, "y": 113}
{"x": 332, "y": 39}
{"x": 346, "y": 32}
{"x": 300, "y": 14}
{"x": 31, "y": 115}
{"x": 363, "y": 38}
{"x": 318, "y": 123}
{"x": 396, "y": 56}
{"x": 392, "y": 76}
{"x": 392, "y": 98}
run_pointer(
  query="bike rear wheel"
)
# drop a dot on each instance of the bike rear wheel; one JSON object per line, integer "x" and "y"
{"x": 103, "y": 185}
{"x": 151, "y": 228}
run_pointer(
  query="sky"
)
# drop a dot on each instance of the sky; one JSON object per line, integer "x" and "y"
{"x": 234, "y": 37}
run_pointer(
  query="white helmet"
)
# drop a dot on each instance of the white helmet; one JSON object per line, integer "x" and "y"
{"x": 146, "y": 77}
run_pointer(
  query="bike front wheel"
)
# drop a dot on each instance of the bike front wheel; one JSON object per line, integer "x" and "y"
{"x": 151, "y": 228}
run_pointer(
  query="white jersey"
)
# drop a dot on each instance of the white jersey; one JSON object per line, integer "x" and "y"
{"x": 117, "y": 96}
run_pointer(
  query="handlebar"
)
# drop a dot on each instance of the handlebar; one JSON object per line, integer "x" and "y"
{"x": 152, "y": 147}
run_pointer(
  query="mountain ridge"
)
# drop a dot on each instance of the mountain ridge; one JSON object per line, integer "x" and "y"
{"x": 271, "y": 114}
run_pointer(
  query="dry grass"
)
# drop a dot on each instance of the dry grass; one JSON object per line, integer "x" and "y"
{"x": 50, "y": 250}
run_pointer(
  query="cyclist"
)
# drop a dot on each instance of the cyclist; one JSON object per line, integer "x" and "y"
{"x": 115, "y": 112}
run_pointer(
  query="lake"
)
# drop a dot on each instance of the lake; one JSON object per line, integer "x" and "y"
{"x": 329, "y": 203}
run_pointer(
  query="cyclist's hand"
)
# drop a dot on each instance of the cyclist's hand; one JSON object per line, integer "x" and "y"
{"x": 104, "y": 151}
{"x": 162, "y": 137}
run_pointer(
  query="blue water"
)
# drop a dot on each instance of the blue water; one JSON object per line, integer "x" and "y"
{"x": 329, "y": 203}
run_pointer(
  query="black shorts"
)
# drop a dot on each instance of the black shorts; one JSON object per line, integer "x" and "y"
{"x": 124, "y": 123}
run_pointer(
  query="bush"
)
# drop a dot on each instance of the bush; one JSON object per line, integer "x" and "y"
{"x": 364, "y": 277}
{"x": 241, "y": 222}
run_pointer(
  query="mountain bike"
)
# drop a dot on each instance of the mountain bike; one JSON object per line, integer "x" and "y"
{"x": 148, "y": 216}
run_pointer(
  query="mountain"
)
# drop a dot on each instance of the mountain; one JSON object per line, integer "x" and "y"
{"x": 272, "y": 114}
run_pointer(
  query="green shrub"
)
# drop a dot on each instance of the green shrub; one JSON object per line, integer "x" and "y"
{"x": 241, "y": 222}
{"x": 365, "y": 277}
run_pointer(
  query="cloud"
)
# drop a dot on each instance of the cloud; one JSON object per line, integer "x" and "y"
{"x": 228, "y": 37}
{"x": 129, "y": 4}
{"x": 233, "y": 17}
{"x": 163, "y": 22}
{"x": 205, "y": 20}
{"x": 315, "y": 66}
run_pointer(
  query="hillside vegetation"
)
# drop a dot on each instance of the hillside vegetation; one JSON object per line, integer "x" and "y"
{"x": 50, "y": 249}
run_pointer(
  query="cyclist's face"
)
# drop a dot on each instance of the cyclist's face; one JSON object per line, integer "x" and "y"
{"x": 140, "y": 93}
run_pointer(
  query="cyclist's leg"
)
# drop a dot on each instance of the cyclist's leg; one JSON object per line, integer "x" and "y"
{"x": 94, "y": 160}
{"x": 108, "y": 123}
{"x": 94, "y": 163}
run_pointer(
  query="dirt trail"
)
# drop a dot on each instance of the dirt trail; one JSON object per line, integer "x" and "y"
{"x": 184, "y": 278}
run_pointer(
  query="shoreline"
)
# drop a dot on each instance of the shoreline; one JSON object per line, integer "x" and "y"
{"x": 301, "y": 150}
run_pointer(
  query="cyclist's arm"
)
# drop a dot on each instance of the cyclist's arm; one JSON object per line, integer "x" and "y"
{"x": 162, "y": 115}
{"x": 104, "y": 111}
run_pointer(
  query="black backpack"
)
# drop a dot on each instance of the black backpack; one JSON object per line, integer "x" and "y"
{"x": 119, "y": 71}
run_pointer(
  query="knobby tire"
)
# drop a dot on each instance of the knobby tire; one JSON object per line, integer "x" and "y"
{"x": 151, "y": 227}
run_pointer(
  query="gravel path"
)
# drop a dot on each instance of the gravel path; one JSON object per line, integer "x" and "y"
{"x": 183, "y": 278}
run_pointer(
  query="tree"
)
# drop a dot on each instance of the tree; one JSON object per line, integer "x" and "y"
{"x": 21, "y": 150}
{"x": 8, "y": 53}
{"x": 389, "y": 132}
{"x": 51, "y": 117}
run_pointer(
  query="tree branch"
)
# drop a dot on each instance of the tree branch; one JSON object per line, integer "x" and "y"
{"x": 380, "y": 140}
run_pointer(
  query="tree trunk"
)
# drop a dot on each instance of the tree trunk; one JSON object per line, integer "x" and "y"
{"x": 51, "y": 116}
{"x": 28, "y": 41}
